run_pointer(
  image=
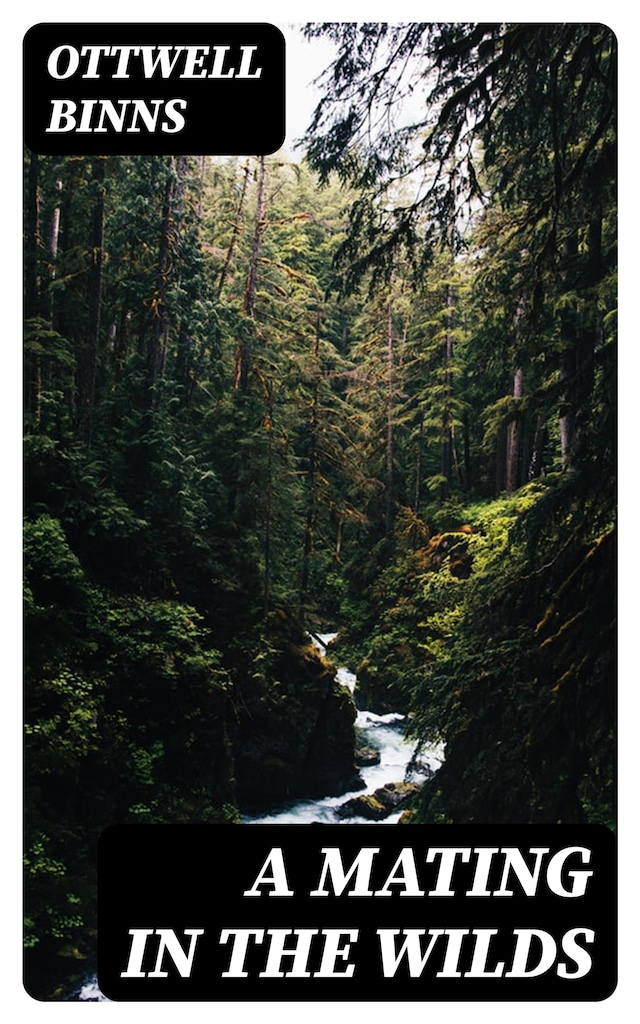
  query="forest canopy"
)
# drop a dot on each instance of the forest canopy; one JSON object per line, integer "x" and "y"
{"x": 373, "y": 389}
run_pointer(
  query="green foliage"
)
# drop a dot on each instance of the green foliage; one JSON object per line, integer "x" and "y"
{"x": 526, "y": 711}
{"x": 253, "y": 405}
{"x": 124, "y": 710}
{"x": 497, "y": 637}
{"x": 55, "y": 909}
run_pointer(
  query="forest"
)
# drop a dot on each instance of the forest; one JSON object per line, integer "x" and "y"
{"x": 370, "y": 388}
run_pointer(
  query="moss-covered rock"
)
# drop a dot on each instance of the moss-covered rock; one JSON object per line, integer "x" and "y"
{"x": 295, "y": 735}
{"x": 379, "y": 805}
{"x": 365, "y": 757}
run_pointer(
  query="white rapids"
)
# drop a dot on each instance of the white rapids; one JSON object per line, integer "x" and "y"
{"x": 385, "y": 733}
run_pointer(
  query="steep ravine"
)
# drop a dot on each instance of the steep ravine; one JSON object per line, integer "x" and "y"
{"x": 383, "y": 733}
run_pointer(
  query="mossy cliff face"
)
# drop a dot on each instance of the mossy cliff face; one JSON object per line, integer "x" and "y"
{"x": 295, "y": 735}
{"x": 393, "y": 659}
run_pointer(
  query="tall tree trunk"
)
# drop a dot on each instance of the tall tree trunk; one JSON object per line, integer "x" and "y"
{"x": 590, "y": 331}
{"x": 447, "y": 433}
{"x": 268, "y": 515}
{"x": 88, "y": 364}
{"x": 33, "y": 362}
{"x": 187, "y": 359}
{"x": 567, "y": 409}
{"x": 417, "y": 491}
{"x": 54, "y": 234}
{"x": 536, "y": 465}
{"x": 337, "y": 552}
{"x": 32, "y": 240}
{"x": 243, "y": 351}
{"x": 235, "y": 234}
{"x": 202, "y": 166}
{"x": 512, "y": 474}
{"x": 118, "y": 335}
{"x": 568, "y": 359}
{"x": 54, "y": 239}
{"x": 158, "y": 337}
{"x": 466, "y": 447}
{"x": 310, "y": 517}
{"x": 389, "y": 482}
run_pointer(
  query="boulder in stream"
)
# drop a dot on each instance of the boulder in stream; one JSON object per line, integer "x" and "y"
{"x": 378, "y": 805}
{"x": 365, "y": 757}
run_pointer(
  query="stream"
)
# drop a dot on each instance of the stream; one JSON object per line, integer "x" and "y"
{"x": 385, "y": 733}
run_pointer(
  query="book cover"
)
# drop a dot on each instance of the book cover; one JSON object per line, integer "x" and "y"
{"x": 320, "y": 501}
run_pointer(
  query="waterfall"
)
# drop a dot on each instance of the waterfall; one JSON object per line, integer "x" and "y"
{"x": 385, "y": 733}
